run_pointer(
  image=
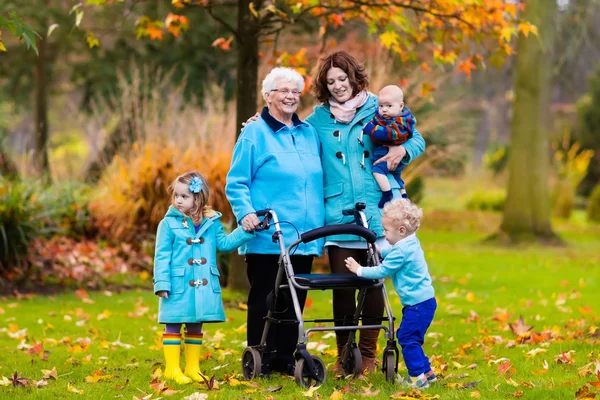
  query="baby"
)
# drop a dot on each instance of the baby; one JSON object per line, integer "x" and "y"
{"x": 392, "y": 125}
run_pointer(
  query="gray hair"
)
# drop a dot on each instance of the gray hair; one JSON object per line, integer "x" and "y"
{"x": 281, "y": 73}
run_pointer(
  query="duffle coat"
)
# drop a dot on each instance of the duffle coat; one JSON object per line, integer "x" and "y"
{"x": 347, "y": 173}
{"x": 185, "y": 265}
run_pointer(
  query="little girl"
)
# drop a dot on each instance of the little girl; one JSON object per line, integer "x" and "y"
{"x": 186, "y": 277}
{"x": 405, "y": 263}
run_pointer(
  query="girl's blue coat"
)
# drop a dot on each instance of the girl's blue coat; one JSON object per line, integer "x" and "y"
{"x": 346, "y": 166}
{"x": 173, "y": 273}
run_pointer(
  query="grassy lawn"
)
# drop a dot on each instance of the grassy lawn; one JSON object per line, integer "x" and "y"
{"x": 480, "y": 289}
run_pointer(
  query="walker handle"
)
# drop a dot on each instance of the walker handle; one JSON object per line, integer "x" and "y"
{"x": 341, "y": 229}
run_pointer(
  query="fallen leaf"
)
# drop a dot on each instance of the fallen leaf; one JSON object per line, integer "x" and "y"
{"x": 50, "y": 373}
{"x": 73, "y": 389}
{"x": 311, "y": 391}
{"x": 519, "y": 328}
{"x": 196, "y": 396}
{"x": 518, "y": 393}
{"x": 475, "y": 394}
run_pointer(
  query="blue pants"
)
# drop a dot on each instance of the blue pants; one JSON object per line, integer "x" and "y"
{"x": 415, "y": 322}
{"x": 382, "y": 168}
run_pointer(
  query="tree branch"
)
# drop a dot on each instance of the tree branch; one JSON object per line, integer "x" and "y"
{"x": 224, "y": 23}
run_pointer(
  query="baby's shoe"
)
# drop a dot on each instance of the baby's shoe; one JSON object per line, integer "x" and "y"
{"x": 431, "y": 377}
{"x": 385, "y": 197}
{"x": 419, "y": 382}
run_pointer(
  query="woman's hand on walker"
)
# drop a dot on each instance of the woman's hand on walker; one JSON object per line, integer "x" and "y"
{"x": 250, "y": 222}
{"x": 351, "y": 264}
{"x": 393, "y": 157}
{"x": 163, "y": 293}
{"x": 251, "y": 119}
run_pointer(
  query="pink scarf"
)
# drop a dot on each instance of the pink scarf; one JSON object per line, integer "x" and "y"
{"x": 345, "y": 112}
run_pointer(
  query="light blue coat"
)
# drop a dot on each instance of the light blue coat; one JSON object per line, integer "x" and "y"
{"x": 405, "y": 264}
{"x": 277, "y": 167}
{"x": 346, "y": 166}
{"x": 173, "y": 272}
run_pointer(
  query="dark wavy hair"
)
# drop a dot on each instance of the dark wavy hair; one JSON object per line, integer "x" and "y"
{"x": 356, "y": 72}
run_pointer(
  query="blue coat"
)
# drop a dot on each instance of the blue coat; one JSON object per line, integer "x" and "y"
{"x": 183, "y": 256}
{"x": 346, "y": 168}
{"x": 277, "y": 167}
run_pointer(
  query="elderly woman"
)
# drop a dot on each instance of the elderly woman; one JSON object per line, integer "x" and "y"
{"x": 340, "y": 83}
{"x": 276, "y": 165}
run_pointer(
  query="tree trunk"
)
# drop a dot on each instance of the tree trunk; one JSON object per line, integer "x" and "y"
{"x": 527, "y": 209}
{"x": 40, "y": 145}
{"x": 246, "y": 92}
{"x": 7, "y": 166}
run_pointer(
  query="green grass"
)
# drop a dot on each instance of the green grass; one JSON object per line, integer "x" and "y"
{"x": 551, "y": 288}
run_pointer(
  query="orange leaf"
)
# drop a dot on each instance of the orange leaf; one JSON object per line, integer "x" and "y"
{"x": 425, "y": 67}
{"x": 466, "y": 67}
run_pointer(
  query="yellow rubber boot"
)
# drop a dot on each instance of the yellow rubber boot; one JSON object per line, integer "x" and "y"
{"x": 172, "y": 349}
{"x": 192, "y": 344}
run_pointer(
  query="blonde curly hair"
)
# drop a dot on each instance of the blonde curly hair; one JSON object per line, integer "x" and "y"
{"x": 404, "y": 213}
{"x": 201, "y": 207}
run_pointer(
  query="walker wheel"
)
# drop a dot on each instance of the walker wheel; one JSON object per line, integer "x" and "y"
{"x": 303, "y": 376}
{"x": 351, "y": 361}
{"x": 389, "y": 366}
{"x": 251, "y": 363}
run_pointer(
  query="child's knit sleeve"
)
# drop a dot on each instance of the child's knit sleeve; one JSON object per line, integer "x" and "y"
{"x": 232, "y": 241}
{"x": 390, "y": 265}
{"x": 162, "y": 257}
{"x": 379, "y": 132}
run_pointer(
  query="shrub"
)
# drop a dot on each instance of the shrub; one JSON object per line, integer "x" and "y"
{"x": 496, "y": 158}
{"x": 131, "y": 198}
{"x": 492, "y": 200}
{"x": 70, "y": 212}
{"x": 593, "y": 209}
{"x": 169, "y": 137}
{"x": 22, "y": 219}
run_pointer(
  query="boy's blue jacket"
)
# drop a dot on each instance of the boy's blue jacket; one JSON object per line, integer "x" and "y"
{"x": 175, "y": 268}
{"x": 405, "y": 264}
{"x": 277, "y": 167}
{"x": 347, "y": 171}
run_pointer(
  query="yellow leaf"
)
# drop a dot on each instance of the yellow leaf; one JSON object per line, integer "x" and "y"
{"x": 50, "y": 373}
{"x": 73, "y": 389}
{"x": 5, "y": 381}
{"x": 252, "y": 10}
{"x": 336, "y": 395}
{"x": 470, "y": 297}
{"x": 475, "y": 394}
{"x": 311, "y": 391}
{"x": 526, "y": 27}
{"x": 2, "y": 46}
{"x": 389, "y": 39}
{"x": 506, "y": 33}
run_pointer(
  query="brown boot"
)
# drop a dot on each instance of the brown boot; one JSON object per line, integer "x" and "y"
{"x": 337, "y": 368}
{"x": 368, "y": 348}
{"x": 369, "y": 365}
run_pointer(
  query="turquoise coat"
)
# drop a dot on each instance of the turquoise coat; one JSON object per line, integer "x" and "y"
{"x": 346, "y": 167}
{"x": 183, "y": 256}
{"x": 278, "y": 167}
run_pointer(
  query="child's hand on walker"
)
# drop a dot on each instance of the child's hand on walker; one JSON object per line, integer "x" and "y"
{"x": 351, "y": 264}
{"x": 163, "y": 293}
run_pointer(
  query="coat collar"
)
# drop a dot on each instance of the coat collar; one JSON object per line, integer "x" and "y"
{"x": 276, "y": 125}
{"x": 207, "y": 221}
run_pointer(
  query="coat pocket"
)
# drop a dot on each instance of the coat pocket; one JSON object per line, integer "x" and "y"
{"x": 214, "y": 279}
{"x": 177, "y": 280}
{"x": 333, "y": 202}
